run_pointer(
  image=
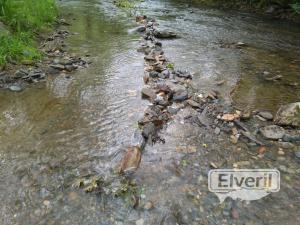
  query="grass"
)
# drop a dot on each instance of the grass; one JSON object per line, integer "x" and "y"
{"x": 22, "y": 18}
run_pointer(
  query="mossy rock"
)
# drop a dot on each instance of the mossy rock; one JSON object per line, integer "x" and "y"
{"x": 289, "y": 115}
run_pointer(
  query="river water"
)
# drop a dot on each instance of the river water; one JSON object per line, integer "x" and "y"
{"x": 55, "y": 132}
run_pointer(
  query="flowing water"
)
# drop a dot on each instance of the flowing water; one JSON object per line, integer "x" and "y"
{"x": 55, "y": 132}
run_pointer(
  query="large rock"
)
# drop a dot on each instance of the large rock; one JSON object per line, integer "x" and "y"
{"x": 272, "y": 132}
{"x": 288, "y": 115}
{"x": 164, "y": 33}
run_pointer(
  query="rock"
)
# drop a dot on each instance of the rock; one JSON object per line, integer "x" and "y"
{"x": 57, "y": 66}
{"x": 172, "y": 110}
{"x": 266, "y": 115}
{"x": 288, "y": 115}
{"x": 286, "y": 145}
{"x": 15, "y": 88}
{"x": 131, "y": 160}
{"x": 149, "y": 130}
{"x": 193, "y": 103}
{"x": 291, "y": 138}
{"x": 137, "y": 139}
{"x": 139, "y": 222}
{"x": 164, "y": 33}
{"x": 27, "y": 62}
{"x": 149, "y": 205}
{"x": 180, "y": 95}
{"x": 272, "y": 132}
{"x": 183, "y": 74}
{"x": 153, "y": 74}
{"x": 148, "y": 93}
{"x": 217, "y": 131}
{"x": 281, "y": 152}
{"x": 141, "y": 29}
{"x": 297, "y": 155}
{"x": 234, "y": 213}
{"x": 230, "y": 117}
{"x": 20, "y": 73}
{"x": 261, "y": 150}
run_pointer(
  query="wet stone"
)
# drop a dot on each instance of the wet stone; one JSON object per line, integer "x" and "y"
{"x": 148, "y": 93}
{"x": 291, "y": 138}
{"x": 272, "y": 132}
{"x": 288, "y": 115}
{"x": 266, "y": 115}
{"x": 15, "y": 88}
{"x": 172, "y": 110}
{"x": 141, "y": 29}
{"x": 153, "y": 74}
{"x": 57, "y": 66}
{"x": 297, "y": 155}
{"x": 164, "y": 33}
{"x": 180, "y": 95}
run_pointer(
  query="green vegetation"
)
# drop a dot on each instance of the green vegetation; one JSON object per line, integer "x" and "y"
{"x": 296, "y": 7}
{"x": 22, "y": 18}
{"x": 126, "y": 4}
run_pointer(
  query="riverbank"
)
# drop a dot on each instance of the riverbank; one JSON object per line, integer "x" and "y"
{"x": 33, "y": 44}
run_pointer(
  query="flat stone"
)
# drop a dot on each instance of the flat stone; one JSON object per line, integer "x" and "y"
{"x": 141, "y": 29}
{"x": 193, "y": 103}
{"x": 15, "y": 88}
{"x": 57, "y": 66}
{"x": 288, "y": 115}
{"x": 272, "y": 132}
{"x": 148, "y": 93}
{"x": 291, "y": 138}
{"x": 164, "y": 33}
{"x": 266, "y": 115}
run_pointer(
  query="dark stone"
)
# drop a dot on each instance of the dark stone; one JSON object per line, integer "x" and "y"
{"x": 153, "y": 74}
{"x": 164, "y": 34}
{"x": 149, "y": 130}
{"x": 172, "y": 110}
{"x": 291, "y": 138}
{"x": 183, "y": 74}
{"x": 180, "y": 95}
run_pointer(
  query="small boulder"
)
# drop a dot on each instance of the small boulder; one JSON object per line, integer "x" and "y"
{"x": 148, "y": 93}
{"x": 180, "y": 95}
{"x": 288, "y": 115}
{"x": 266, "y": 115}
{"x": 164, "y": 33}
{"x": 272, "y": 132}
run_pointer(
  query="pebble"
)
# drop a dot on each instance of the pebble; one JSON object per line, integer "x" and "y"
{"x": 139, "y": 222}
{"x": 15, "y": 88}
{"x": 281, "y": 152}
{"x": 217, "y": 130}
{"x": 149, "y": 205}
